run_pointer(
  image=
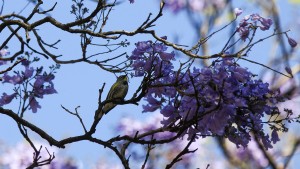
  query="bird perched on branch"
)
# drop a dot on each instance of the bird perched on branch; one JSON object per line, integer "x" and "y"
{"x": 117, "y": 92}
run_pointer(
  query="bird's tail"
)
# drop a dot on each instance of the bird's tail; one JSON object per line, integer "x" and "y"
{"x": 99, "y": 115}
{"x": 106, "y": 108}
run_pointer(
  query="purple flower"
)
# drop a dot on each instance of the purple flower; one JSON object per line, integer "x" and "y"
{"x": 266, "y": 142}
{"x": 145, "y": 58}
{"x": 288, "y": 70}
{"x": 6, "y": 99}
{"x": 142, "y": 47}
{"x": 43, "y": 85}
{"x": 18, "y": 78}
{"x": 131, "y": 1}
{"x": 292, "y": 42}
{"x": 275, "y": 137}
{"x": 33, "y": 104}
{"x": 159, "y": 47}
{"x": 153, "y": 104}
{"x": 238, "y": 11}
{"x": 250, "y": 22}
{"x": 164, "y": 37}
{"x": 255, "y": 17}
{"x": 28, "y": 72}
{"x": 168, "y": 110}
{"x": 266, "y": 23}
{"x": 167, "y": 56}
{"x": 244, "y": 32}
{"x": 15, "y": 79}
{"x": 32, "y": 84}
{"x": 240, "y": 138}
{"x": 25, "y": 62}
{"x": 217, "y": 120}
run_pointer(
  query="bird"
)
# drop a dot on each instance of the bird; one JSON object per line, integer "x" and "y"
{"x": 118, "y": 91}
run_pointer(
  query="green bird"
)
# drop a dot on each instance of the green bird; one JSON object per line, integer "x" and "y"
{"x": 117, "y": 91}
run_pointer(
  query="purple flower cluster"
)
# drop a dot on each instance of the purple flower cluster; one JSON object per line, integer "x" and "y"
{"x": 251, "y": 22}
{"x": 148, "y": 54}
{"x": 221, "y": 100}
{"x": 29, "y": 84}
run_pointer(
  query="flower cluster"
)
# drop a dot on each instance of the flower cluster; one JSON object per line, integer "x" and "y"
{"x": 224, "y": 99}
{"x": 29, "y": 84}
{"x": 146, "y": 54}
{"x": 251, "y": 22}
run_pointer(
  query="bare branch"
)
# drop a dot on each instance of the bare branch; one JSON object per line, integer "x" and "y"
{"x": 182, "y": 153}
{"x": 11, "y": 67}
{"x": 77, "y": 115}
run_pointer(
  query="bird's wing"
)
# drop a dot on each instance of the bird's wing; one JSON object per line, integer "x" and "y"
{"x": 113, "y": 92}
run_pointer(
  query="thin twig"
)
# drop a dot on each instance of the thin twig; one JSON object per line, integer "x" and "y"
{"x": 149, "y": 148}
{"x": 12, "y": 66}
{"x": 77, "y": 115}
{"x": 182, "y": 153}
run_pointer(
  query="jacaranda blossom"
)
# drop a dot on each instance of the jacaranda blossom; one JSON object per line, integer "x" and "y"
{"x": 224, "y": 99}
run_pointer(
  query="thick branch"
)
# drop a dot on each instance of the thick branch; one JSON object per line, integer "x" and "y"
{"x": 32, "y": 127}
